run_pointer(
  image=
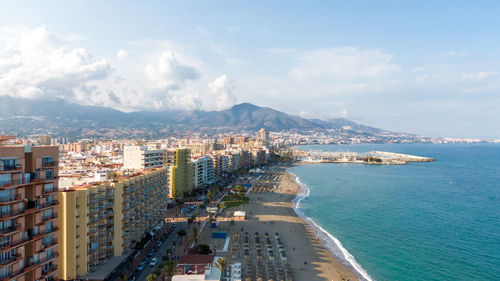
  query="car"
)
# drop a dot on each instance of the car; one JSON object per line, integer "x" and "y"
{"x": 141, "y": 266}
{"x": 158, "y": 244}
{"x": 153, "y": 261}
{"x": 151, "y": 253}
{"x": 174, "y": 225}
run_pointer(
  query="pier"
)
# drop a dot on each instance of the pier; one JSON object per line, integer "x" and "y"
{"x": 371, "y": 158}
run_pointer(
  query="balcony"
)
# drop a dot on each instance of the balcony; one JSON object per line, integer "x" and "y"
{"x": 10, "y": 260}
{"x": 14, "y": 198}
{"x": 10, "y": 230}
{"x": 10, "y": 168}
{"x": 52, "y": 163}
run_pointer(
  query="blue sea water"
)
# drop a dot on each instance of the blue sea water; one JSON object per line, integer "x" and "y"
{"x": 421, "y": 221}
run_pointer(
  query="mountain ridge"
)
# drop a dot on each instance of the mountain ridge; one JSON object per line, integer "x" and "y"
{"x": 58, "y": 117}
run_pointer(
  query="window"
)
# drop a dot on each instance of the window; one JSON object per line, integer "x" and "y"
{"x": 49, "y": 187}
{"x": 4, "y": 241}
{"x": 49, "y": 254}
{"x": 4, "y": 225}
{"x": 4, "y": 210}
{"x": 48, "y": 200}
{"x": 47, "y": 214}
{"x": 4, "y": 271}
{"x": 9, "y": 163}
{"x": 47, "y": 240}
{"x": 48, "y": 227}
{"x": 7, "y": 195}
{"x": 47, "y": 161}
{"x": 49, "y": 174}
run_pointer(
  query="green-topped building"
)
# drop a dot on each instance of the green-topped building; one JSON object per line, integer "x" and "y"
{"x": 181, "y": 175}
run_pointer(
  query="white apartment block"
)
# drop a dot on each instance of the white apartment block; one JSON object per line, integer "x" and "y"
{"x": 203, "y": 171}
{"x": 141, "y": 157}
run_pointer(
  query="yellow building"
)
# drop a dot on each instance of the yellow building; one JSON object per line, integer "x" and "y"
{"x": 181, "y": 178}
{"x": 107, "y": 219}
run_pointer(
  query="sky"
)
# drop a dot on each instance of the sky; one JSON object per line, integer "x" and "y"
{"x": 426, "y": 67}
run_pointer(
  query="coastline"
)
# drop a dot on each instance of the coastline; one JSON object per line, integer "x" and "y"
{"x": 330, "y": 242}
{"x": 273, "y": 212}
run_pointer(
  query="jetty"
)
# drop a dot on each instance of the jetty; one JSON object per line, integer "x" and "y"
{"x": 370, "y": 158}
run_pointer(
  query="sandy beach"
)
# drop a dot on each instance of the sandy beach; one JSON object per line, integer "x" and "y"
{"x": 272, "y": 212}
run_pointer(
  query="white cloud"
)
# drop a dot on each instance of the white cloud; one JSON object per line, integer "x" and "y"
{"x": 121, "y": 54}
{"x": 168, "y": 73}
{"x": 222, "y": 89}
{"x": 344, "y": 63}
{"x": 36, "y": 64}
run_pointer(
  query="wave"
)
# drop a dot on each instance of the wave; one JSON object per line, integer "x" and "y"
{"x": 330, "y": 241}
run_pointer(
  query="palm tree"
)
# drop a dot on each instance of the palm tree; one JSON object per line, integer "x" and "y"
{"x": 169, "y": 269}
{"x": 193, "y": 236}
{"x": 221, "y": 264}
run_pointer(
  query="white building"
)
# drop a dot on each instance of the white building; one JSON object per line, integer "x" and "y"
{"x": 140, "y": 157}
{"x": 203, "y": 171}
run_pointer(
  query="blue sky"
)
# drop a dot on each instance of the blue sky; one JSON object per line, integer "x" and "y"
{"x": 425, "y": 67}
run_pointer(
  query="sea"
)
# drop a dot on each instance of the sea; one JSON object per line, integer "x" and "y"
{"x": 421, "y": 221}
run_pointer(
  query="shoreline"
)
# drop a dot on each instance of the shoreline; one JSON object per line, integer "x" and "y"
{"x": 330, "y": 242}
{"x": 273, "y": 212}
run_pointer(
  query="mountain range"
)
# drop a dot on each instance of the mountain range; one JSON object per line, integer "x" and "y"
{"x": 60, "y": 118}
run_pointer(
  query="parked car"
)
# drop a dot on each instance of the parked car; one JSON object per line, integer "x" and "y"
{"x": 141, "y": 266}
{"x": 153, "y": 262}
{"x": 151, "y": 253}
{"x": 158, "y": 244}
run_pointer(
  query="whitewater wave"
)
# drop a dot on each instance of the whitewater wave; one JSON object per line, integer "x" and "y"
{"x": 330, "y": 241}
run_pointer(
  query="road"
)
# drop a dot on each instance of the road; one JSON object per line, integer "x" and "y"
{"x": 162, "y": 251}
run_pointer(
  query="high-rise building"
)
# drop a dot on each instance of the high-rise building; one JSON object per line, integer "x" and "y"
{"x": 140, "y": 157}
{"x": 203, "y": 171}
{"x": 181, "y": 175}
{"x": 263, "y": 135}
{"x": 107, "y": 219}
{"x": 45, "y": 140}
{"x": 28, "y": 213}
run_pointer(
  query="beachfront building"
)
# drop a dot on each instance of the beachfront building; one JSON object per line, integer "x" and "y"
{"x": 102, "y": 222}
{"x": 203, "y": 171}
{"x": 181, "y": 175}
{"x": 142, "y": 157}
{"x": 197, "y": 267}
{"x": 28, "y": 212}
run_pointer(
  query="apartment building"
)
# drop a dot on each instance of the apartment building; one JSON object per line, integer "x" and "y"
{"x": 141, "y": 157}
{"x": 107, "y": 219}
{"x": 203, "y": 171}
{"x": 263, "y": 135}
{"x": 28, "y": 213}
{"x": 234, "y": 160}
{"x": 181, "y": 175}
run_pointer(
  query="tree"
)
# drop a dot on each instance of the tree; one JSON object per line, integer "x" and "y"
{"x": 181, "y": 232}
{"x": 204, "y": 249}
{"x": 151, "y": 277}
{"x": 193, "y": 236}
{"x": 169, "y": 269}
{"x": 221, "y": 264}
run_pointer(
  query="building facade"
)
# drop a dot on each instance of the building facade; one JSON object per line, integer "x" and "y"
{"x": 107, "y": 219}
{"x": 181, "y": 176}
{"x": 141, "y": 157}
{"x": 203, "y": 171}
{"x": 28, "y": 207}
